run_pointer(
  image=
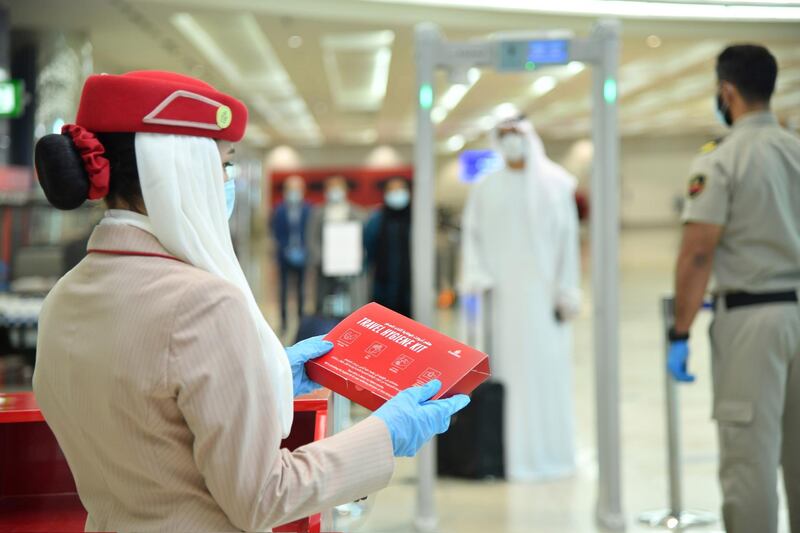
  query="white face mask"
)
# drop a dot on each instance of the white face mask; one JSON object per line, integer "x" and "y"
{"x": 294, "y": 196}
{"x": 397, "y": 199}
{"x": 335, "y": 195}
{"x": 512, "y": 146}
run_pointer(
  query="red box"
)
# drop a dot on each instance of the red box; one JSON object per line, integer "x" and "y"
{"x": 377, "y": 353}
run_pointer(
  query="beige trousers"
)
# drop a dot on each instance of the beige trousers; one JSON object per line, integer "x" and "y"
{"x": 756, "y": 367}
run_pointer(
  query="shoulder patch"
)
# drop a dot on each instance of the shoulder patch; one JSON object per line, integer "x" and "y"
{"x": 710, "y": 146}
{"x": 696, "y": 185}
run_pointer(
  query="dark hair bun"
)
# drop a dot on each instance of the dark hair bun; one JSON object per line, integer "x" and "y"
{"x": 61, "y": 172}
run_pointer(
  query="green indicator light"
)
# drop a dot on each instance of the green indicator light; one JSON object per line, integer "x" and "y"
{"x": 426, "y": 96}
{"x": 530, "y": 65}
{"x": 610, "y": 90}
{"x": 11, "y": 99}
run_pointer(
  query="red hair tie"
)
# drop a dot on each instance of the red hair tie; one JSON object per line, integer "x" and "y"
{"x": 91, "y": 150}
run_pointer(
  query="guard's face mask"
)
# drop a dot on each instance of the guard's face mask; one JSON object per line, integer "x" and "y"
{"x": 722, "y": 112}
{"x": 512, "y": 146}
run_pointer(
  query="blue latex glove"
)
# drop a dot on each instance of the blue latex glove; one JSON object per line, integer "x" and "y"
{"x": 413, "y": 418}
{"x": 677, "y": 359}
{"x": 299, "y": 355}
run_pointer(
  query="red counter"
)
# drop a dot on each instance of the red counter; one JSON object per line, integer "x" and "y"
{"x": 37, "y": 491}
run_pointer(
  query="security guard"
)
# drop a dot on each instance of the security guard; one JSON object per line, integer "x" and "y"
{"x": 742, "y": 220}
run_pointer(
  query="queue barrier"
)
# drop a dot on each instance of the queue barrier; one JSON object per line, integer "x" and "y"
{"x": 675, "y": 517}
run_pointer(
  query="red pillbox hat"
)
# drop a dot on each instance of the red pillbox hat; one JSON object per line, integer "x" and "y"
{"x": 159, "y": 102}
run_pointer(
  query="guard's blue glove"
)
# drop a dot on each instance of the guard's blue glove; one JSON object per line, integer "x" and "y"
{"x": 299, "y": 355}
{"x": 413, "y": 418}
{"x": 677, "y": 359}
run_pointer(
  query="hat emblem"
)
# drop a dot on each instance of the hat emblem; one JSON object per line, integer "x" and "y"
{"x": 224, "y": 116}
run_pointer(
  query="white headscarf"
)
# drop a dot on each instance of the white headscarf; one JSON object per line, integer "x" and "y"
{"x": 546, "y": 184}
{"x": 182, "y": 185}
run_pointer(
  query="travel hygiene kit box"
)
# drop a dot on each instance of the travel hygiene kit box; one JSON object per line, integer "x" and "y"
{"x": 378, "y": 353}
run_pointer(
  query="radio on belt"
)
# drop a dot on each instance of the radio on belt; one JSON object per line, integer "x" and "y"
{"x": 378, "y": 353}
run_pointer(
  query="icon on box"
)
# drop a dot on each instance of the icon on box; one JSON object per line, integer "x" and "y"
{"x": 349, "y": 337}
{"x": 375, "y": 349}
{"x": 455, "y": 353}
{"x": 403, "y": 362}
{"x": 427, "y": 375}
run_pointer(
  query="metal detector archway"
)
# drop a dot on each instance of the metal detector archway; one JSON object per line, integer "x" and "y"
{"x": 517, "y": 54}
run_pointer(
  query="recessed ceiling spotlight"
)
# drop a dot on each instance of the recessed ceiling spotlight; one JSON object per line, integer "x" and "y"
{"x": 575, "y": 67}
{"x": 543, "y": 85}
{"x": 438, "y": 114}
{"x": 653, "y": 41}
{"x": 295, "y": 41}
{"x": 455, "y": 143}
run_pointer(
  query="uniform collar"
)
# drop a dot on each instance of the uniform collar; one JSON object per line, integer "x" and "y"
{"x": 124, "y": 238}
{"x": 756, "y": 118}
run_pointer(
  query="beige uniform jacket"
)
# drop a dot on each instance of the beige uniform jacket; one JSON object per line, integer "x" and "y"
{"x": 750, "y": 184}
{"x": 149, "y": 374}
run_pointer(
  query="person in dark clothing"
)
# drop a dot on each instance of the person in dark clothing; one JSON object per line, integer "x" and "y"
{"x": 387, "y": 241}
{"x": 289, "y": 224}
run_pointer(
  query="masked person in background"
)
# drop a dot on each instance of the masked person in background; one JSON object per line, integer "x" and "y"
{"x": 520, "y": 240}
{"x": 166, "y": 388}
{"x": 289, "y": 225}
{"x": 387, "y": 241}
{"x": 336, "y": 209}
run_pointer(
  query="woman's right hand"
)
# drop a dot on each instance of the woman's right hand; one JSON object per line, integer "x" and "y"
{"x": 413, "y": 418}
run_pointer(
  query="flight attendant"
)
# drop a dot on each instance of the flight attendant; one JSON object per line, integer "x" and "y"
{"x": 167, "y": 390}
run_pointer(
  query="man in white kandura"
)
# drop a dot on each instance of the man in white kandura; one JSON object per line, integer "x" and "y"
{"x": 521, "y": 243}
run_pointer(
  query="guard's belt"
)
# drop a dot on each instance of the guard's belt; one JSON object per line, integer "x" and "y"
{"x": 744, "y": 299}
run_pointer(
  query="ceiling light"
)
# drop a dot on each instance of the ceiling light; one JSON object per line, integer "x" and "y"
{"x": 486, "y": 123}
{"x": 295, "y": 41}
{"x": 453, "y": 96}
{"x": 653, "y": 41}
{"x": 505, "y": 111}
{"x": 348, "y": 57}
{"x": 438, "y": 114}
{"x": 575, "y": 67}
{"x": 750, "y": 10}
{"x": 543, "y": 85}
{"x": 200, "y": 38}
{"x": 261, "y": 86}
{"x": 455, "y": 143}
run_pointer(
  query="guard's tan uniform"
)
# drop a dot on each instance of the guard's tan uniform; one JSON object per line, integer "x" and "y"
{"x": 750, "y": 185}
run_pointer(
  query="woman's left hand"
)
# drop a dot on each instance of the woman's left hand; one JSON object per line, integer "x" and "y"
{"x": 299, "y": 355}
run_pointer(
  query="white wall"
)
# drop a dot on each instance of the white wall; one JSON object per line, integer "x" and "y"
{"x": 655, "y": 173}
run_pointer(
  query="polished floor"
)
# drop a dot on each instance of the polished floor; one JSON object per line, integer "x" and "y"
{"x": 568, "y": 505}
